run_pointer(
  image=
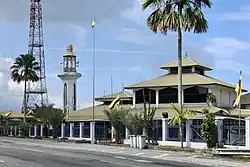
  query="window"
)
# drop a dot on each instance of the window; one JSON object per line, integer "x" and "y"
{"x": 174, "y": 70}
{"x": 195, "y": 95}
{"x": 74, "y": 97}
{"x": 168, "y": 95}
{"x": 149, "y": 95}
{"x": 65, "y": 96}
{"x": 199, "y": 71}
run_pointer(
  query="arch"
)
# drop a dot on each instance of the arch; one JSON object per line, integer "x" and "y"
{"x": 74, "y": 97}
{"x": 65, "y": 96}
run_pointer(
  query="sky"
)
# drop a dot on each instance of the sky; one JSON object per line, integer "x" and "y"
{"x": 126, "y": 48}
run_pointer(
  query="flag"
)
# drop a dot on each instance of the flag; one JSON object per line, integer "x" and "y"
{"x": 115, "y": 103}
{"x": 7, "y": 114}
{"x": 93, "y": 23}
{"x": 238, "y": 91}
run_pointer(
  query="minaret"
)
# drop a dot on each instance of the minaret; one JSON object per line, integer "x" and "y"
{"x": 69, "y": 77}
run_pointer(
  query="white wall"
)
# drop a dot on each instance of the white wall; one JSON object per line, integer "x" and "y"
{"x": 224, "y": 96}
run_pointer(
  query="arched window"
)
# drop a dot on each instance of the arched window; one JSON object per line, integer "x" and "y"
{"x": 65, "y": 95}
{"x": 74, "y": 97}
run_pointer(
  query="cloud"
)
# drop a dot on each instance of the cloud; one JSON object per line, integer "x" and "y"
{"x": 80, "y": 34}
{"x": 134, "y": 36}
{"x": 135, "y": 13}
{"x": 141, "y": 52}
{"x": 225, "y": 47}
{"x": 65, "y": 11}
{"x": 226, "y": 52}
{"x": 241, "y": 15}
{"x": 11, "y": 93}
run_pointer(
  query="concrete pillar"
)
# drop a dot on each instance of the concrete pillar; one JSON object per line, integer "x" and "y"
{"x": 219, "y": 124}
{"x": 92, "y": 132}
{"x": 133, "y": 98}
{"x": 71, "y": 126}
{"x": 35, "y": 130}
{"x": 188, "y": 132}
{"x": 15, "y": 133}
{"x": 81, "y": 130}
{"x": 157, "y": 98}
{"x": 11, "y": 131}
{"x": 29, "y": 131}
{"x": 165, "y": 129}
{"x": 41, "y": 131}
{"x": 62, "y": 130}
{"x": 247, "y": 133}
{"x": 112, "y": 134}
{"x": 126, "y": 133}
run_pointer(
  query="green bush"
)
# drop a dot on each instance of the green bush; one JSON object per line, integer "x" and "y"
{"x": 174, "y": 148}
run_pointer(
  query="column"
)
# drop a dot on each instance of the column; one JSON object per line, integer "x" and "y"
{"x": 29, "y": 131}
{"x": 62, "y": 130}
{"x": 92, "y": 132}
{"x": 35, "y": 130}
{"x": 165, "y": 129}
{"x": 157, "y": 98}
{"x": 247, "y": 132}
{"x": 11, "y": 131}
{"x": 112, "y": 134}
{"x": 219, "y": 124}
{"x": 15, "y": 133}
{"x": 81, "y": 129}
{"x": 41, "y": 131}
{"x": 71, "y": 126}
{"x": 133, "y": 98}
{"x": 188, "y": 132}
{"x": 126, "y": 133}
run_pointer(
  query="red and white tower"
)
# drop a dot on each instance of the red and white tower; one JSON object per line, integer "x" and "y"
{"x": 36, "y": 92}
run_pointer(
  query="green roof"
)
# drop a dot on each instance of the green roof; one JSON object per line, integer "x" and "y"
{"x": 189, "y": 79}
{"x": 13, "y": 114}
{"x": 124, "y": 95}
{"x": 86, "y": 113}
{"x": 186, "y": 62}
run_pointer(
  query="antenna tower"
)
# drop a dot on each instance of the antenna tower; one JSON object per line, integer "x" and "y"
{"x": 37, "y": 91}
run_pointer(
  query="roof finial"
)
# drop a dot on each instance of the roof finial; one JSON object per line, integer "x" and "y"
{"x": 122, "y": 87}
{"x": 186, "y": 55}
{"x": 70, "y": 48}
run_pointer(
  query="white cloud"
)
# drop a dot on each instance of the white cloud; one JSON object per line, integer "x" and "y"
{"x": 225, "y": 47}
{"x": 241, "y": 15}
{"x": 65, "y": 11}
{"x": 10, "y": 92}
{"x": 134, "y": 36}
{"x": 135, "y": 13}
{"x": 80, "y": 34}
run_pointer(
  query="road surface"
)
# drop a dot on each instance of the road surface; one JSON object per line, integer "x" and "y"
{"x": 16, "y": 154}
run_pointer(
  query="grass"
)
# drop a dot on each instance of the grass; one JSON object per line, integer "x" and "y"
{"x": 178, "y": 149}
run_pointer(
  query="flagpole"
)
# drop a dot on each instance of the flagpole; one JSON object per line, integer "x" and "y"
{"x": 239, "y": 123}
{"x": 93, "y": 97}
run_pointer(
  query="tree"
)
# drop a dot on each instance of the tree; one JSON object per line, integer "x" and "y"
{"x": 3, "y": 124}
{"x": 209, "y": 129}
{"x": 49, "y": 115}
{"x": 210, "y": 99}
{"x": 134, "y": 123}
{"x": 25, "y": 69}
{"x": 179, "y": 118}
{"x": 148, "y": 119}
{"x": 116, "y": 118}
{"x": 177, "y": 16}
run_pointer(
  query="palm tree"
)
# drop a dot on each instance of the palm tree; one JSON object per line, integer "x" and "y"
{"x": 116, "y": 118}
{"x": 177, "y": 16}
{"x": 25, "y": 69}
{"x": 179, "y": 118}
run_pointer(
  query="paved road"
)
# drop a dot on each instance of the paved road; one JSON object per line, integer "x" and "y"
{"x": 40, "y": 153}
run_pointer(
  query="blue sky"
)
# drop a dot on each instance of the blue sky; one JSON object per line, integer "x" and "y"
{"x": 125, "y": 47}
